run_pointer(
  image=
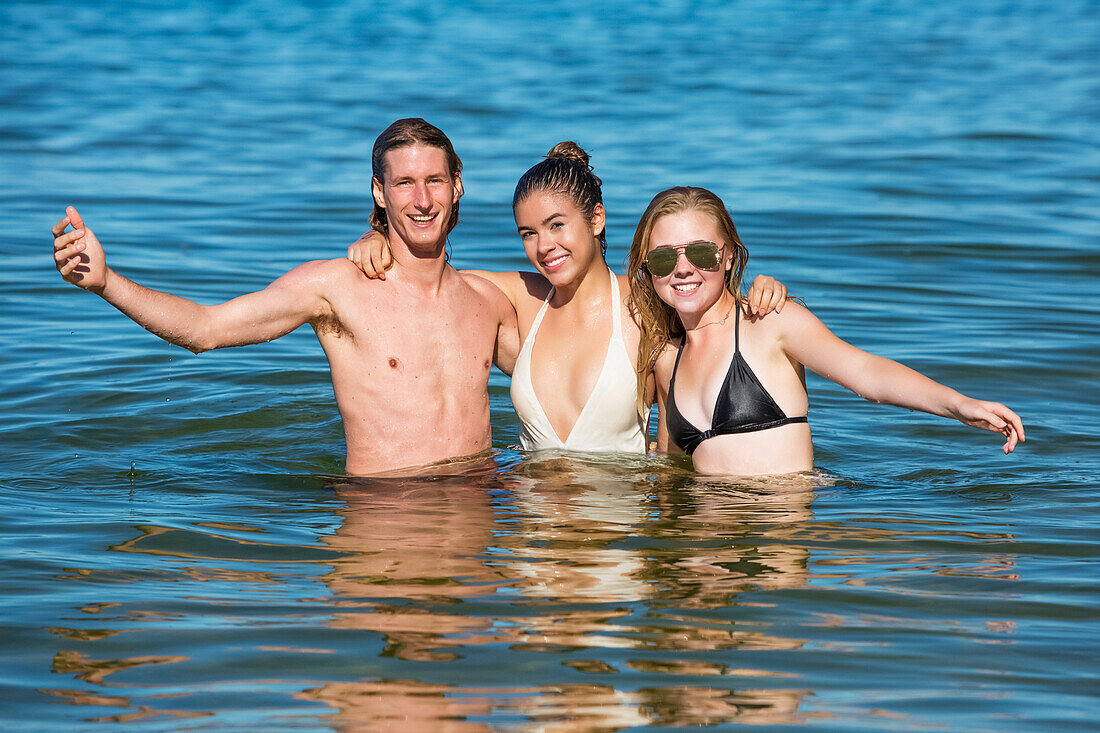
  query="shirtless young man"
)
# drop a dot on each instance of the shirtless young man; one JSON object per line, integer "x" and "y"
{"x": 409, "y": 355}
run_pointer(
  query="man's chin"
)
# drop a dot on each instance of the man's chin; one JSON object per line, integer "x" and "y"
{"x": 424, "y": 244}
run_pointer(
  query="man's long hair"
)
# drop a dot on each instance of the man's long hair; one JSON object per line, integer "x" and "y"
{"x": 402, "y": 134}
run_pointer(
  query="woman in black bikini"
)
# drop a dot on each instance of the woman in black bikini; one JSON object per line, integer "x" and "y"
{"x": 733, "y": 394}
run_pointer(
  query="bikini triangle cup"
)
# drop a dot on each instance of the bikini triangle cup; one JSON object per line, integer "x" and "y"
{"x": 742, "y": 405}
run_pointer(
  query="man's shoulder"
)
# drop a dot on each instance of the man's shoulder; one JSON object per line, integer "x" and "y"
{"x": 338, "y": 267}
{"x": 325, "y": 274}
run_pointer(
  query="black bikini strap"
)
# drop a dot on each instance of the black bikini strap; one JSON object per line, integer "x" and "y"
{"x": 679, "y": 351}
{"x": 736, "y": 327}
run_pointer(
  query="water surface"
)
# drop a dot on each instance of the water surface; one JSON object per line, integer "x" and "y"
{"x": 179, "y": 548}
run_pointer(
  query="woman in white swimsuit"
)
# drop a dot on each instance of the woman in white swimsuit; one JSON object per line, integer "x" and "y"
{"x": 574, "y": 386}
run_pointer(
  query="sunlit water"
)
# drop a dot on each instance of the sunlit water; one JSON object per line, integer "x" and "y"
{"x": 179, "y": 550}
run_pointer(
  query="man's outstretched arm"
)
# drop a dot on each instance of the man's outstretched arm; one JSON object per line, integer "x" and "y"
{"x": 290, "y": 301}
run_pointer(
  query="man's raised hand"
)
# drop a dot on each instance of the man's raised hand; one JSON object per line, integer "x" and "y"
{"x": 77, "y": 254}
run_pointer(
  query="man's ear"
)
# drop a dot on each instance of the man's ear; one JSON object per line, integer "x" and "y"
{"x": 458, "y": 187}
{"x": 376, "y": 190}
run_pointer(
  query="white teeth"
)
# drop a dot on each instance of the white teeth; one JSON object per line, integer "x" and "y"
{"x": 556, "y": 261}
{"x": 423, "y": 217}
{"x": 686, "y": 288}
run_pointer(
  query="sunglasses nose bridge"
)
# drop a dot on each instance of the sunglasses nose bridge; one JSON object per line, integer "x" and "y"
{"x": 683, "y": 263}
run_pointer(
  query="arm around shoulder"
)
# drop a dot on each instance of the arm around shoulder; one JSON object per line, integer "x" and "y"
{"x": 506, "y": 350}
{"x": 662, "y": 379}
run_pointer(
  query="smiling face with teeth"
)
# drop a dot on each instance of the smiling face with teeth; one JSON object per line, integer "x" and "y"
{"x": 690, "y": 290}
{"x": 419, "y": 196}
{"x": 559, "y": 240}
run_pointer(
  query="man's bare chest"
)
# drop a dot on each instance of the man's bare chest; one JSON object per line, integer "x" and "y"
{"x": 401, "y": 334}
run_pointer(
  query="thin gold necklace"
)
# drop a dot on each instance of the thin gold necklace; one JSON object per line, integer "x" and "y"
{"x": 721, "y": 322}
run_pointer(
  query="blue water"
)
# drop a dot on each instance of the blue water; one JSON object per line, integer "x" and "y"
{"x": 179, "y": 552}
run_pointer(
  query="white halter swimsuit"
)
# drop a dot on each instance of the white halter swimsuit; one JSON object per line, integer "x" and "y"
{"x": 609, "y": 420}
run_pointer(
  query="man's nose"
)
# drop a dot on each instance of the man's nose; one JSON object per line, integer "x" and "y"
{"x": 423, "y": 198}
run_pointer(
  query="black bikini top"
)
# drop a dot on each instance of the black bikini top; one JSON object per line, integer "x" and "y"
{"x": 743, "y": 405}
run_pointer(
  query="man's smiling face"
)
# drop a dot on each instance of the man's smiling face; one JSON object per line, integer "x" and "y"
{"x": 419, "y": 195}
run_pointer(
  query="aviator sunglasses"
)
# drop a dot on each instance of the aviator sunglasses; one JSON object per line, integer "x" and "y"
{"x": 662, "y": 261}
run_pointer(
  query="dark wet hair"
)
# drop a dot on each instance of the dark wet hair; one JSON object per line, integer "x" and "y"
{"x": 565, "y": 170}
{"x": 403, "y": 134}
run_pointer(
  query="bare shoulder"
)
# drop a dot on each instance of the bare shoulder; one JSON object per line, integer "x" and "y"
{"x": 626, "y": 300}
{"x": 323, "y": 273}
{"x": 666, "y": 361}
{"x": 507, "y": 282}
{"x": 486, "y": 288}
{"x": 322, "y": 286}
{"x": 519, "y": 287}
{"x": 794, "y": 316}
{"x": 792, "y": 310}
{"x": 793, "y": 330}
{"x": 534, "y": 286}
{"x": 624, "y": 288}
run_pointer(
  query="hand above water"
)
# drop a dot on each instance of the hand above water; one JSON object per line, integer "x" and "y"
{"x": 77, "y": 254}
{"x": 371, "y": 254}
{"x": 992, "y": 416}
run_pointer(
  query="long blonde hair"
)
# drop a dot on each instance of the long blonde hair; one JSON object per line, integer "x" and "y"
{"x": 657, "y": 320}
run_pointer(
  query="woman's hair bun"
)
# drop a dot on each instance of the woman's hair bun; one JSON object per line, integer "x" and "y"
{"x": 570, "y": 151}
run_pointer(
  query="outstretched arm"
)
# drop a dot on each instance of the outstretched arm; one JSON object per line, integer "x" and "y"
{"x": 875, "y": 378}
{"x": 284, "y": 305}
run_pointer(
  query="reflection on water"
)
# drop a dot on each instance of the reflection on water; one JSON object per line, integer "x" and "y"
{"x": 413, "y": 552}
{"x": 630, "y": 592}
{"x": 569, "y": 708}
{"x": 560, "y": 561}
{"x": 563, "y": 544}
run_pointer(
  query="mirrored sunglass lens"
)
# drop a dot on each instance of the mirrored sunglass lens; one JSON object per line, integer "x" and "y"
{"x": 703, "y": 255}
{"x": 661, "y": 261}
